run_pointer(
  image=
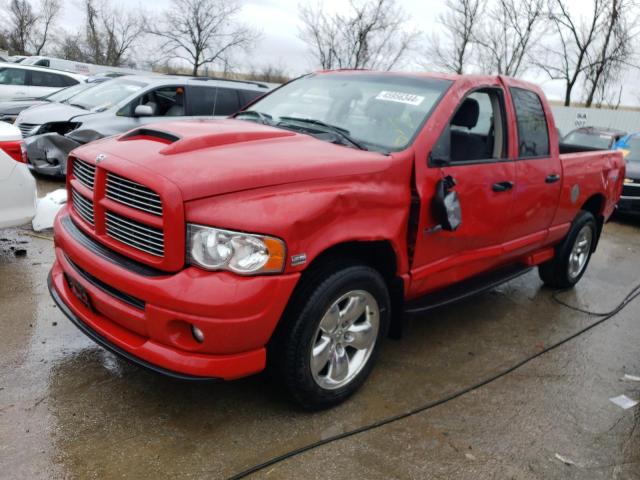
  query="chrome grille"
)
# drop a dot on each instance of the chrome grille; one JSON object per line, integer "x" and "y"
{"x": 133, "y": 194}
{"x": 25, "y": 128}
{"x": 84, "y": 172}
{"x": 83, "y": 206}
{"x": 135, "y": 234}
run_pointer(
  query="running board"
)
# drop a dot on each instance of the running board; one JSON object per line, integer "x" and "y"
{"x": 465, "y": 289}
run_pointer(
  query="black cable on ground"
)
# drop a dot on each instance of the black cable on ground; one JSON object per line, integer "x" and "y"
{"x": 632, "y": 295}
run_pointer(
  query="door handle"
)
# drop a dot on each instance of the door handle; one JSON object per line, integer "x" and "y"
{"x": 553, "y": 178}
{"x": 502, "y": 186}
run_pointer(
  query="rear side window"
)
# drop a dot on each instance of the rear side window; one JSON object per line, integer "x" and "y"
{"x": 200, "y": 100}
{"x": 46, "y": 79}
{"x": 212, "y": 101}
{"x": 227, "y": 102}
{"x": 13, "y": 76}
{"x": 533, "y": 132}
{"x": 249, "y": 96}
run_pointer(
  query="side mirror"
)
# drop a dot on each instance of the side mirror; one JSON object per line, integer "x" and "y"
{"x": 143, "y": 111}
{"x": 441, "y": 153}
{"x": 447, "y": 205}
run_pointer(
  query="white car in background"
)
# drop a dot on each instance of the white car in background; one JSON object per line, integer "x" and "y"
{"x": 19, "y": 202}
{"x": 20, "y": 81}
{"x": 18, "y": 196}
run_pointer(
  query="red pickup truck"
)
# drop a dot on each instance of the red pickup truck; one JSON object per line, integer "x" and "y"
{"x": 301, "y": 231}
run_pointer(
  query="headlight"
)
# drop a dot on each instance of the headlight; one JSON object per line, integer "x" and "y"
{"x": 628, "y": 180}
{"x": 243, "y": 253}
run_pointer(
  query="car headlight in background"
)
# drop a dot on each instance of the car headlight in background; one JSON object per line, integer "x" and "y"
{"x": 242, "y": 253}
{"x": 628, "y": 180}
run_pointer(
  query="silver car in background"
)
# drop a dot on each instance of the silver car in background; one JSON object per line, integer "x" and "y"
{"x": 51, "y": 131}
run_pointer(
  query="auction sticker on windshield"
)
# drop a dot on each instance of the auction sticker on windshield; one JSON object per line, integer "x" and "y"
{"x": 400, "y": 97}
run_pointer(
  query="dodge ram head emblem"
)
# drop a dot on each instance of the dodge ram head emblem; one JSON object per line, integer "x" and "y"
{"x": 100, "y": 158}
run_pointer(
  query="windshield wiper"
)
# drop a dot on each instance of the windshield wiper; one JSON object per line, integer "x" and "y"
{"x": 264, "y": 118}
{"x": 341, "y": 132}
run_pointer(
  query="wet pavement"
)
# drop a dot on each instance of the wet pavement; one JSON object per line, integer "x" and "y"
{"x": 69, "y": 409}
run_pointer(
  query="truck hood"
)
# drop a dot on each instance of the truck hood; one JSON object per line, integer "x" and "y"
{"x": 52, "y": 112}
{"x": 211, "y": 157}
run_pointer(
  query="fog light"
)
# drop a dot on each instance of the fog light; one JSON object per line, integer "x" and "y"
{"x": 197, "y": 334}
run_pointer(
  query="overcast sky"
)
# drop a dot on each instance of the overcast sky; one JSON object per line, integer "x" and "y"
{"x": 278, "y": 21}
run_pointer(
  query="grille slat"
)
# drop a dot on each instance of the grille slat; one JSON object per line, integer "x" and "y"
{"x": 85, "y": 173}
{"x": 83, "y": 206}
{"x": 133, "y": 194}
{"x": 134, "y": 234}
{"x": 151, "y": 238}
{"x": 25, "y": 128}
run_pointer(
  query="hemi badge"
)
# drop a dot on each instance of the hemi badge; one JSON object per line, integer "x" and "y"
{"x": 299, "y": 259}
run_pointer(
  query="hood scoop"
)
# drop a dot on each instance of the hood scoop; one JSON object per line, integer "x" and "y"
{"x": 218, "y": 139}
{"x": 150, "y": 134}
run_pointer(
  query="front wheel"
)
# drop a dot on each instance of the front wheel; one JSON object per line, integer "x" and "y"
{"x": 572, "y": 255}
{"x": 328, "y": 344}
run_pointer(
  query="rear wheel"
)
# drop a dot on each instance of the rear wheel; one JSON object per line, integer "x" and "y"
{"x": 572, "y": 255}
{"x": 331, "y": 334}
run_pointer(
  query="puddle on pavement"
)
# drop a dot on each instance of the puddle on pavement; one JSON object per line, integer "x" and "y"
{"x": 91, "y": 415}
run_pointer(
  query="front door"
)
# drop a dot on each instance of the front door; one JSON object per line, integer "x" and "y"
{"x": 476, "y": 143}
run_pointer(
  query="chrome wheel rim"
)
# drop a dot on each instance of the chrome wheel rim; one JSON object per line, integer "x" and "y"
{"x": 580, "y": 252}
{"x": 345, "y": 339}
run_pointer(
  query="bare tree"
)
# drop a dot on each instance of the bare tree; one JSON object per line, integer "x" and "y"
{"x": 612, "y": 53}
{"x": 49, "y": 13}
{"x": 109, "y": 36}
{"x": 203, "y": 32}
{"x": 371, "y": 35}
{"x": 22, "y": 22}
{"x": 568, "y": 58}
{"x": 451, "y": 50}
{"x": 268, "y": 73}
{"x": 505, "y": 36}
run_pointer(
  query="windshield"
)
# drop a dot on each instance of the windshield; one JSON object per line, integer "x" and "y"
{"x": 67, "y": 93}
{"x": 378, "y": 112}
{"x": 594, "y": 140}
{"x": 106, "y": 94}
{"x": 632, "y": 150}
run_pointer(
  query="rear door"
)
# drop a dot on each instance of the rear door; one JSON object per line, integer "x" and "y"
{"x": 479, "y": 163}
{"x": 538, "y": 171}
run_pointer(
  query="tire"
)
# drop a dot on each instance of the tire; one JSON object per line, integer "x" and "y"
{"x": 567, "y": 267}
{"x": 330, "y": 297}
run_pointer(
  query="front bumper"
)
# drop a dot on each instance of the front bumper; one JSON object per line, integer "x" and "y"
{"x": 146, "y": 315}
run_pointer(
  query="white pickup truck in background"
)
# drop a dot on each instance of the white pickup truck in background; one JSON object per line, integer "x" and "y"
{"x": 19, "y": 203}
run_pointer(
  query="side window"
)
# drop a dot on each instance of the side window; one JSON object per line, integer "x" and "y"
{"x": 13, "y": 76}
{"x": 476, "y": 132}
{"x": 43, "y": 62}
{"x": 227, "y": 102}
{"x": 533, "y": 131}
{"x": 200, "y": 100}
{"x": 68, "y": 81}
{"x": 164, "y": 101}
{"x": 46, "y": 79}
{"x": 249, "y": 96}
